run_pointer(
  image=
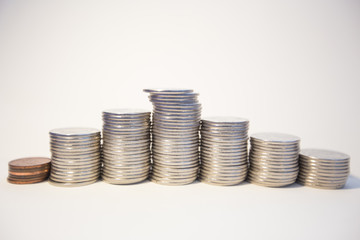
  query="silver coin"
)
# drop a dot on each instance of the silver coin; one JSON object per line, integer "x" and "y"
{"x": 174, "y": 94}
{"x": 126, "y": 167}
{"x": 70, "y": 180}
{"x": 75, "y": 139}
{"x": 218, "y": 120}
{"x": 280, "y": 181}
{"x": 174, "y": 176}
{"x": 220, "y": 183}
{"x": 167, "y": 90}
{"x": 125, "y": 158}
{"x": 173, "y": 101}
{"x": 321, "y": 168}
{"x": 127, "y": 111}
{"x": 218, "y": 178}
{"x": 275, "y": 137}
{"x": 74, "y": 177}
{"x": 324, "y": 154}
{"x": 126, "y": 173}
{"x": 176, "y": 117}
{"x": 224, "y": 174}
{"x": 126, "y": 146}
{"x": 174, "y": 173}
{"x": 227, "y": 140}
{"x": 322, "y": 181}
{"x": 124, "y": 180}
{"x": 125, "y": 155}
{"x": 266, "y": 183}
{"x": 175, "y": 133}
{"x": 78, "y": 184}
{"x": 324, "y": 163}
{"x": 224, "y": 163}
{"x": 180, "y": 111}
{"x": 186, "y": 106}
{"x": 74, "y": 132}
{"x": 175, "y": 138}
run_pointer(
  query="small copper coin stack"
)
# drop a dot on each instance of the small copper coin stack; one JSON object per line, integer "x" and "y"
{"x": 29, "y": 170}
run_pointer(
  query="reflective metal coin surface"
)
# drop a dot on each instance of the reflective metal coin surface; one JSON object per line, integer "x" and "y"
{"x": 320, "y": 168}
{"x": 74, "y": 132}
{"x": 273, "y": 159}
{"x": 175, "y": 135}
{"x": 167, "y": 90}
{"x": 75, "y": 154}
{"x": 223, "y": 150}
{"x": 126, "y": 146}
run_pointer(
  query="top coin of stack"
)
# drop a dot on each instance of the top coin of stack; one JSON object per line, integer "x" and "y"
{"x": 273, "y": 159}
{"x": 75, "y": 155}
{"x": 224, "y": 150}
{"x": 323, "y": 168}
{"x": 126, "y": 146}
{"x": 175, "y": 135}
{"x": 29, "y": 170}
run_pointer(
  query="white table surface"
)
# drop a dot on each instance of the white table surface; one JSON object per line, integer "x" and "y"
{"x": 288, "y": 66}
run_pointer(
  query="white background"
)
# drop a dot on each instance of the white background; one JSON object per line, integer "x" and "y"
{"x": 288, "y": 66}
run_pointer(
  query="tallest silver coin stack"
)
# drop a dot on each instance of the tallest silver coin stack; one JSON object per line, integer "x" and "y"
{"x": 175, "y": 136}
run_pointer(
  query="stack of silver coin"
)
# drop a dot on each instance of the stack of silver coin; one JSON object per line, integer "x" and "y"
{"x": 224, "y": 150}
{"x": 273, "y": 159}
{"x": 126, "y": 146}
{"x": 323, "y": 168}
{"x": 175, "y": 136}
{"x": 75, "y": 156}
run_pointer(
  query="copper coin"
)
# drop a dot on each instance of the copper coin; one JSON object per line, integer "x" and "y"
{"x": 26, "y": 176}
{"x": 32, "y": 162}
{"x": 17, "y": 181}
{"x": 28, "y": 173}
{"x": 30, "y": 170}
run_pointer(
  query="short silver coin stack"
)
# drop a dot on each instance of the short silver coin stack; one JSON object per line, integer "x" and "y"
{"x": 224, "y": 150}
{"x": 75, "y": 156}
{"x": 126, "y": 146}
{"x": 175, "y": 136}
{"x": 273, "y": 159}
{"x": 321, "y": 168}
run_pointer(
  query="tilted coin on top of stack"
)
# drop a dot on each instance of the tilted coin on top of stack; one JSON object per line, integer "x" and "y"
{"x": 126, "y": 146}
{"x": 29, "y": 170}
{"x": 273, "y": 159}
{"x": 224, "y": 150}
{"x": 321, "y": 168}
{"x": 175, "y": 136}
{"x": 75, "y": 155}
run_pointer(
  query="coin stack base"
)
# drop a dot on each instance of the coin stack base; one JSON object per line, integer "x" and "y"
{"x": 29, "y": 170}
{"x": 273, "y": 159}
{"x": 223, "y": 150}
{"x": 75, "y": 155}
{"x": 126, "y": 146}
{"x": 323, "y": 169}
{"x": 175, "y": 136}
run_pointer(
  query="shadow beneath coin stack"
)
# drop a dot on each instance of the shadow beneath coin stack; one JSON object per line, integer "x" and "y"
{"x": 352, "y": 183}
